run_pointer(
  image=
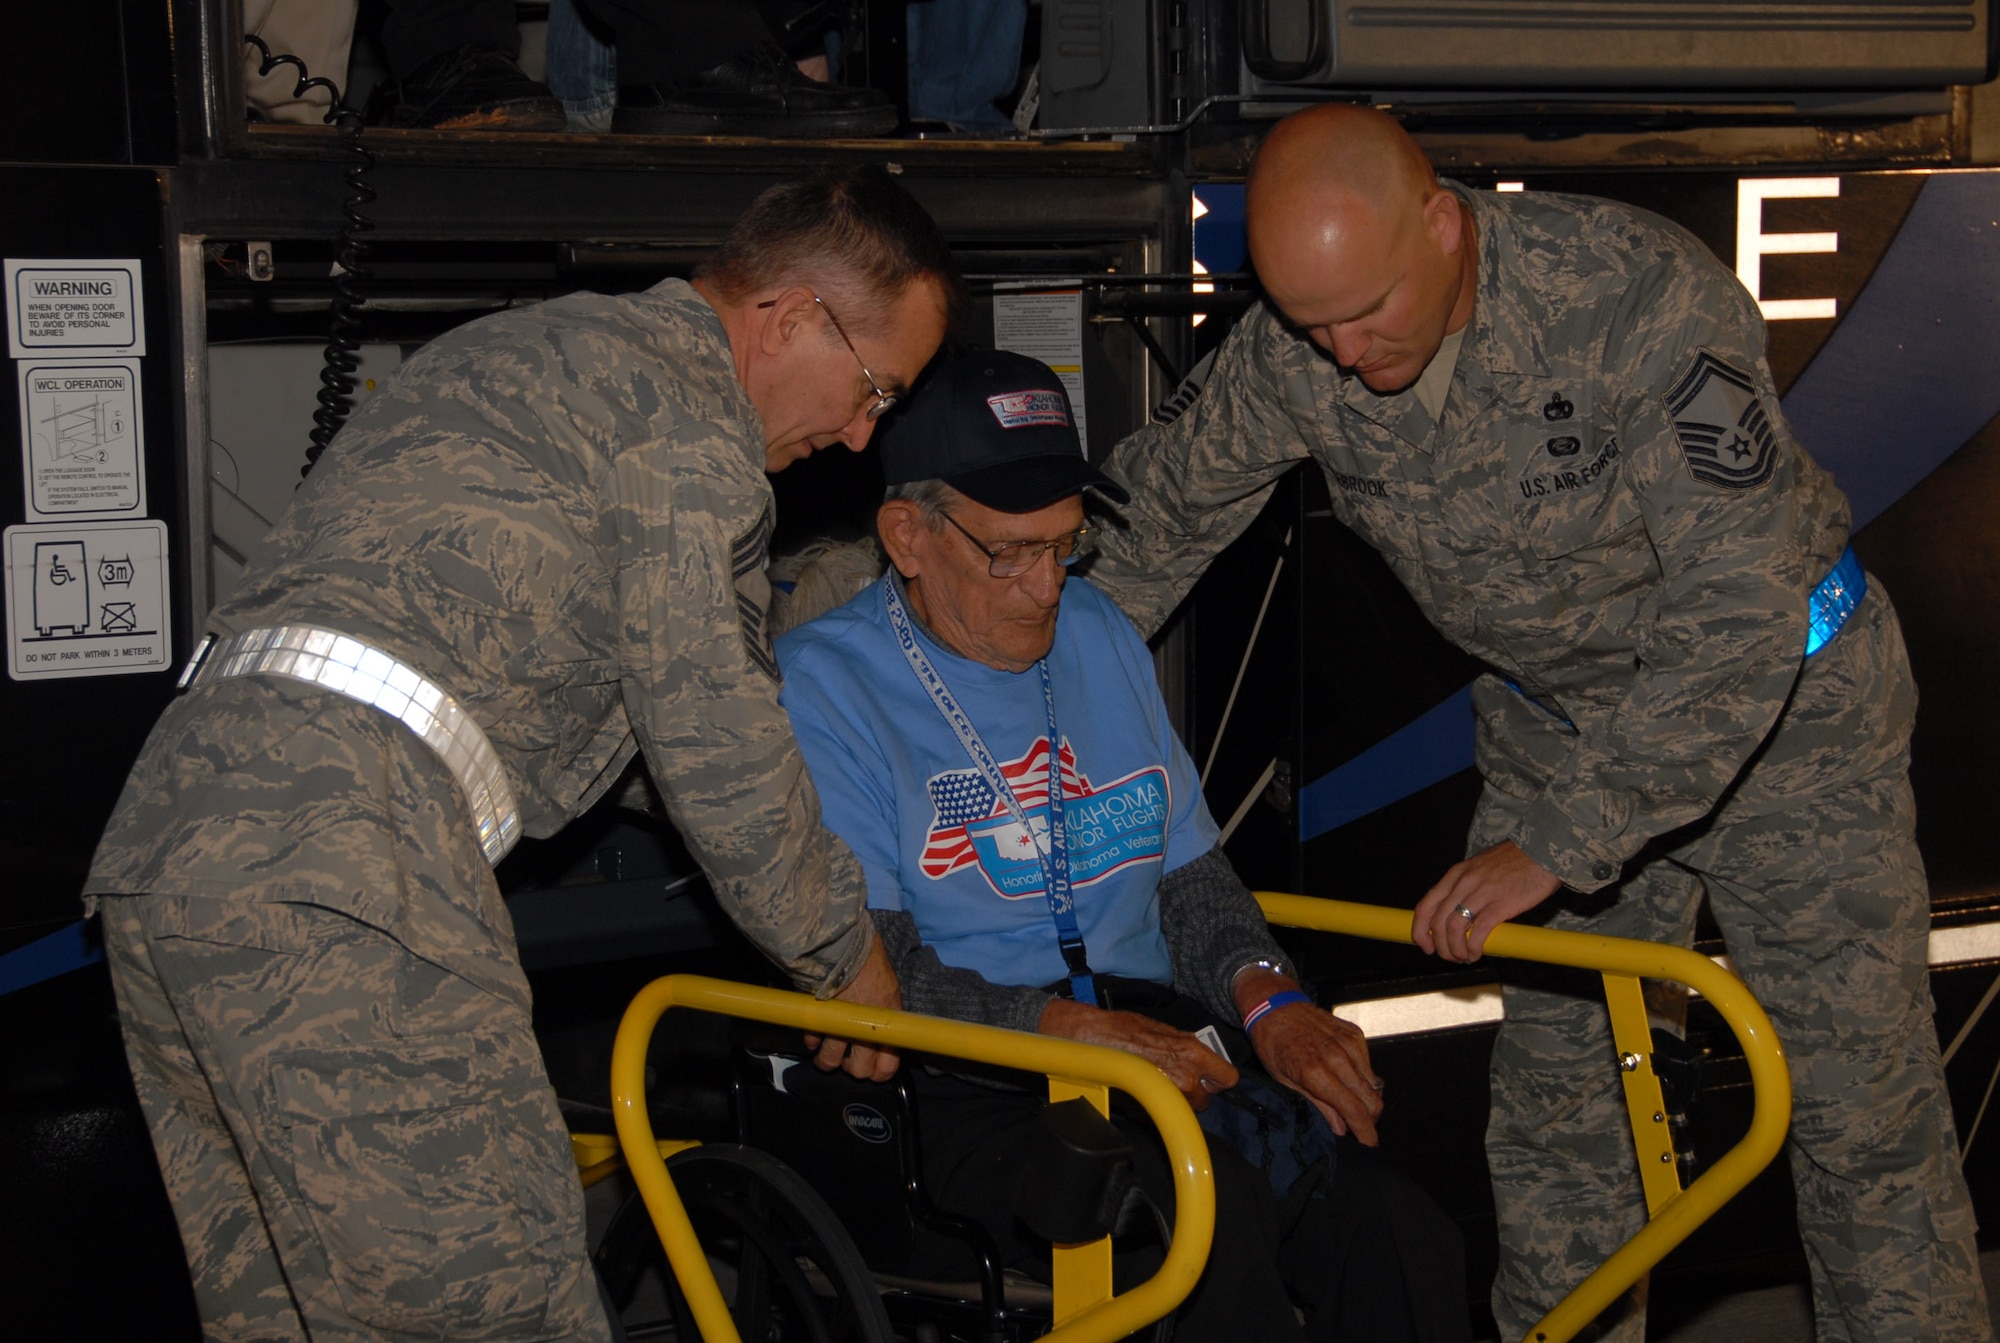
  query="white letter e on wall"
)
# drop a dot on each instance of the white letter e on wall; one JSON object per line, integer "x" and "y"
{"x": 1753, "y": 244}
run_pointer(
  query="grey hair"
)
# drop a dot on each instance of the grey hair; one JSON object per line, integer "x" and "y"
{"x": 930, "y": 497}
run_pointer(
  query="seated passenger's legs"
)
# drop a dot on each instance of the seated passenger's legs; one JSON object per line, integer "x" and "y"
{"x": 1376, "y": 1258}
{"x": 975, "y": 1143}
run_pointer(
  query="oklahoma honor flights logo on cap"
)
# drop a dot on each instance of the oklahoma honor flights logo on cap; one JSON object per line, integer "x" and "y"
{"x": 1017, "y": 409}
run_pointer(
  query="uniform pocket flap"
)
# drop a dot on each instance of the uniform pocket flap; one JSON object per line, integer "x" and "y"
{"x": 310, "y": 1086}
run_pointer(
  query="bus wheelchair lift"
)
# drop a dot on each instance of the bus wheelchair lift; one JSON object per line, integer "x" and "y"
{"x": 694, "y": 1195}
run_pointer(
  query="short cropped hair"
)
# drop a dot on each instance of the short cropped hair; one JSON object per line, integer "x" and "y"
{"x": 852, "y": 232}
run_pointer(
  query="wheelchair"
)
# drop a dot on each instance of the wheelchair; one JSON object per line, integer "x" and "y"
{"x": 753, "y": 1250}
{"x": 889, "y": 1264}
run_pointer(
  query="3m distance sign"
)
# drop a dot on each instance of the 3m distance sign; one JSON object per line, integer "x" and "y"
{"x": 87, "y": 599}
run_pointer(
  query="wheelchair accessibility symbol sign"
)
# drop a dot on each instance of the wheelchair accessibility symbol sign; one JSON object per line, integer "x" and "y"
{"x": 87, "y": 599}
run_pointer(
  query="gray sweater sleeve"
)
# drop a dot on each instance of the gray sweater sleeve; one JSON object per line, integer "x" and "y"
{"x": 936, "y": 989}
{"x": 1214, "y": 928}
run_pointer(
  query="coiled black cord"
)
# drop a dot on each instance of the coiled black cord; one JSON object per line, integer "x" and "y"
{"x": 336, "y": 377}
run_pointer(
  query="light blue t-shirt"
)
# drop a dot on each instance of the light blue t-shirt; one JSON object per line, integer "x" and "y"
{"x": 934, "y": 840}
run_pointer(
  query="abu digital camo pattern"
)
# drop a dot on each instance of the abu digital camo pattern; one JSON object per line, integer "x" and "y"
{"x": 560, "y": 516}
{"x": 552, "y": 514}
{"x": 1548, "y": 524}
{"x": 1612, "y": 513}
{"x": 359, "y": 1145}
{"x": 1823, "y": 907}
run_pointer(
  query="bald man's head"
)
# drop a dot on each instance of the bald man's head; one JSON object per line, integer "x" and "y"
{"x": 1357, "y": 244}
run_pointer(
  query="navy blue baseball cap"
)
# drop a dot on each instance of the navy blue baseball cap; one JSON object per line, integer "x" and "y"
{"x": 996, "y": 427}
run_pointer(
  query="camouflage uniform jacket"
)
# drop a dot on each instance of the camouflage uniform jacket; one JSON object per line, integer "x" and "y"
{"x": 1644, "y": 585}
{"x": 561, "y": 516}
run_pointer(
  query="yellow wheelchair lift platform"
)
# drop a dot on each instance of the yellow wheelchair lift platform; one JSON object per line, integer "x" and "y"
{"x": 1086, "y": 1309}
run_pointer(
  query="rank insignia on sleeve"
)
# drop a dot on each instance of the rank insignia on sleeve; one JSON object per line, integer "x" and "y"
{"x": 748, "y": 555}
{"x": 1725, "y": 433}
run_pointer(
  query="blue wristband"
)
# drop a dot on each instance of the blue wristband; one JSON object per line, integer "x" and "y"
{"x": 1271, "y": 1004}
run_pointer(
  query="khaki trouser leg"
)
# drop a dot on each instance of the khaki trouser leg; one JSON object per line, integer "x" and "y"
{"x": 397, "y": 1155}
{"x": 1566, "y": 1183}
{"x": 1827, "y": 917}
{"x": 239, "y": 1287}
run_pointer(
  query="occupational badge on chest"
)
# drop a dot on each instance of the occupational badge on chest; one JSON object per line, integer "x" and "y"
{"x": 1725, "y": 433}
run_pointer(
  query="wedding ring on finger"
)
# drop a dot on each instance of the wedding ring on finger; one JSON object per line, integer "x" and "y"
{"x": 1464, "y": 913}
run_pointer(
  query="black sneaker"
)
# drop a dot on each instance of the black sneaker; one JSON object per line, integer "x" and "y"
{"x": 476, "y": 87}
{"x": 757, "y": 92}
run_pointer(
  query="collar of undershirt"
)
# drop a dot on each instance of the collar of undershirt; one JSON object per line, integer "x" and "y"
{"x": 1435, "y": 381}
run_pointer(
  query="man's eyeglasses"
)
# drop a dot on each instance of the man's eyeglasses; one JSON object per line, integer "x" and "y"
{"x": 1011, "y": 559}
{"x": 883, "y": 400}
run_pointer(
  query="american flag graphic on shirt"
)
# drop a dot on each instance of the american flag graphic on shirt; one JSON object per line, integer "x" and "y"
{"x": 960, "y": 798}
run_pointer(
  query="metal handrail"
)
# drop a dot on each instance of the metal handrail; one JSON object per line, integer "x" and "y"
{"x": 1622, "y": 962}
{"x": 1067, "y": 1062}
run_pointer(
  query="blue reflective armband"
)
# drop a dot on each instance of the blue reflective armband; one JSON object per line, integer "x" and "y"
{"x": 1834, "y": 600}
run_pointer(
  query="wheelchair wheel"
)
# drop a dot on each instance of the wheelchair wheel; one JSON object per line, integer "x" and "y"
{"x": 786, "y": 1267}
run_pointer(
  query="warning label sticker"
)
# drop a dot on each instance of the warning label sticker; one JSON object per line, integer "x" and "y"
{"x": 81, "y": 445}
{"x": 87, "y": 599}
{"x": 74, "y": 307}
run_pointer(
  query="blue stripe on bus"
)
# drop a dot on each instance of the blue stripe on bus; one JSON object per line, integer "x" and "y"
{"x": 68, "y": 948}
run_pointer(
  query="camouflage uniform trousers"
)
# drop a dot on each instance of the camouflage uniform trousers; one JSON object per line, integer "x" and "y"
{"x": 357, "y": 1144}
{"x": 1826, "y": 915}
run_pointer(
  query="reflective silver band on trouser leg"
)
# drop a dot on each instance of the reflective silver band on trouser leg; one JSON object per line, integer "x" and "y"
{"x": 346, "y": 666}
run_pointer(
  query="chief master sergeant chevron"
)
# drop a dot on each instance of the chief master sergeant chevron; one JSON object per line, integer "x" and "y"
{"x": 539, "y": 548}
{"x": 1553, "y": 417}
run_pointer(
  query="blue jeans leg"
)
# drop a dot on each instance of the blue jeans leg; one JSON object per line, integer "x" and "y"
{"x": 583, "y": 70}
{"x": 963, "y": 54}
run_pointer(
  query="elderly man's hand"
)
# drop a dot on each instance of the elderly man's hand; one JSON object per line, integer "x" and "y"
{"x": 1189, "y": 1064}
{"x": 1325, "y": 1060}
{"x": 1314, "y": 1053}
{"x": 875, "y": 986}
{"x": 1493, "y": 886}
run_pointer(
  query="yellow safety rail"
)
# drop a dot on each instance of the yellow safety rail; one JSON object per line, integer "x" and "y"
{"x": 1675, "y": 1212}
{"x": 1080, "y": 1068}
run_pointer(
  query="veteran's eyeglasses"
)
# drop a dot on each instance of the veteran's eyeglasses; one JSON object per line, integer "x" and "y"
{"x": 1011, "y": 559}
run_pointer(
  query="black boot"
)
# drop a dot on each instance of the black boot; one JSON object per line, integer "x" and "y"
{"x": 756, "y": 92}
{"x": 476, "y": 87}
